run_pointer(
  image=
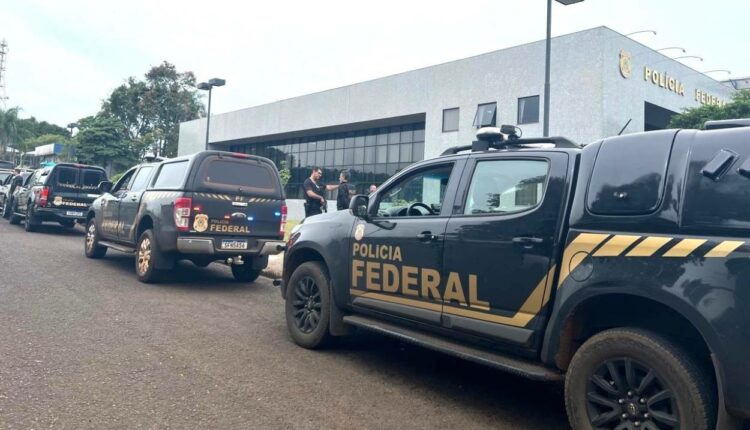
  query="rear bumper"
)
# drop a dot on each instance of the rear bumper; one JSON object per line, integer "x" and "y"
{"x": 206, "y": 246}
{"x": 48, "y": 214}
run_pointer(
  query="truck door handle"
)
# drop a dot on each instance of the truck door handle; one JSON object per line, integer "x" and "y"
{"x": 426, "y": 236}
{"x": 527, "y": 242}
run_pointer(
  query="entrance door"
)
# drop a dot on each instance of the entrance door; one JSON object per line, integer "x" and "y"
{"x": 397, "y": 256}
{"x": 131, "y": 201}
{"x": 500, "y": 243}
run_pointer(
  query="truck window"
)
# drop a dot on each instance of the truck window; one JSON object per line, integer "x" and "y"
{"x": 425, "y": 188}
{"x": 141, "y": 179}
{"x": 506, "y": 186}
{"x": 91, "y": 179}
{"x": 171, "y": 175}
{"x": 229, "y": 175}
{"x": 66, "y": 177}
{"x": 628, "y": 175}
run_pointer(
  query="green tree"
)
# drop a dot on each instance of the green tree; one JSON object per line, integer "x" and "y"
{"x": 9, "y": 129}
{"x": 101, "y": 141}
{"x": 739, "y": 107}
{"x": 152, "y": 109}
{"x": 284, "y": 173}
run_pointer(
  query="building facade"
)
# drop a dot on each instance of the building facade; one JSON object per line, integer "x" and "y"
{"x": 602, "y": 83}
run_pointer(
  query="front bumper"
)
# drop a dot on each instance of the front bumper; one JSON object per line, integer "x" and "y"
{"x": 207, "y": 246}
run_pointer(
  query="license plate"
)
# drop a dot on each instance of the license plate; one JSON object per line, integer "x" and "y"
{"x": 233, "y": 244}
{"x": 73, "y": 213}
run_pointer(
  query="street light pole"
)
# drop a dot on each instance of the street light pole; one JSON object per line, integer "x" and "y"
{"x": 547, "y": 56}
{"x": 208, "y": 86}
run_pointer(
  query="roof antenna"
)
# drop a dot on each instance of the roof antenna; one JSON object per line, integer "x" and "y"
{"x": 626, "y": 126}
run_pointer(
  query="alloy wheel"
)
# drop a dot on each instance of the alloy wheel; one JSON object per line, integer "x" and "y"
{"x": 144, "y": 256}
{"x": 307, "y": 306}
{"x": 625, "y": 394}
{"x": 90, "y": 236}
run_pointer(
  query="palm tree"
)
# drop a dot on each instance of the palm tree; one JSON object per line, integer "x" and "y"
{"x": 9, "y": 129}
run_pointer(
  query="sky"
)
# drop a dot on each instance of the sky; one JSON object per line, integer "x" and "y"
{"x": 66, "y": 57}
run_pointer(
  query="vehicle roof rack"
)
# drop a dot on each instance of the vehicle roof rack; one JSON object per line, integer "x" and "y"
{"x": 483, "y": 145}
{"x": 727, "y": 123}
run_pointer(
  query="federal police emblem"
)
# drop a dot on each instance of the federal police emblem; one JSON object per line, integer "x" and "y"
{"x": 201, "y": 223}
{"x": 626, "y": 64}
{"x": 359, "y": 232}
{"x": 58, "y": 201}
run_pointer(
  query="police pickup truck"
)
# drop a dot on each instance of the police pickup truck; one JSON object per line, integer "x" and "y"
{"x": 621, "y": 268}
{"x": 209, "y": 206}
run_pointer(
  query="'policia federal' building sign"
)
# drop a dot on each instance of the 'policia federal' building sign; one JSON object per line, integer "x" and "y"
{"x": 663, "y": 80}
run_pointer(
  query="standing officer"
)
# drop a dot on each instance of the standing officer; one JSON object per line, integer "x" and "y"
{"x": 345, "y": 193}
{"x": 314, "y": 192}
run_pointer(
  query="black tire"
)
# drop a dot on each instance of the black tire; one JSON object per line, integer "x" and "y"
{"x": 663, "y": 383}
{"x": 91, "y": 245}
{"x": 31, "y": 222}
{"x": 308, "y": 306}
{"x": 245, "y": 273}
{"x": 147, "y": 255}
{"x": 14, "y": 219}
{"x": 6, "y": 208}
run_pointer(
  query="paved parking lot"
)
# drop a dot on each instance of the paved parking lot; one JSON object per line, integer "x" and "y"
{"x": 84, "y": 345}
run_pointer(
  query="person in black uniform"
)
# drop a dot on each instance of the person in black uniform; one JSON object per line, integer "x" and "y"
{"x": 346, "y": 191}
{"x": 315, "y": 192}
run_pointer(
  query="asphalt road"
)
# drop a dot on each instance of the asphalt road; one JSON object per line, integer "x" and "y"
{"x": 84, "y": 345}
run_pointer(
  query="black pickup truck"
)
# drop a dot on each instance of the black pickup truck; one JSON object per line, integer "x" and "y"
{"x": 209, "y": 206}
{"x": 621, "y": 268}
{"x": 61, "y": 193}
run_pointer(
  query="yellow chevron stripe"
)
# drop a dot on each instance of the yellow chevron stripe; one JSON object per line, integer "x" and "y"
{"x": 648, "y": 246}
{"x": 584, "y": 243}
{"x": 433, "y": 306}
{"x": 684, "y": 247}
{"x": 616, "y": 245}
{"x": 724, "y": 248}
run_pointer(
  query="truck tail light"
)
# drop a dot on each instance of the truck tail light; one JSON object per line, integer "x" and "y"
{"x": 43, "y": 196}
{"x": 282, "y": 226}
{"x": 182, "y": 207}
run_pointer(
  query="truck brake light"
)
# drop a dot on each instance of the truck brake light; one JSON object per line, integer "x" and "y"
{"x": 43, "y": 195}
{"x": 282, "y": 226}
{"x": 182, "y": 207}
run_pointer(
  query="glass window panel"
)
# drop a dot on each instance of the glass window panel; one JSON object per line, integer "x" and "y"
{"x": 359, "y": 155}
{"x": 329, "y": 144}
{"x": 419, "y": 135}
{"x": 339, "y": 143}
{"x": 338, "y": 156}
{"x": 359, "y": 141}
{"x": 348, "y": 156}
{"x": 393, "y": 152}
{"x": 312, "y": 146}
{"x": 369, "y": 154}
{"x": 382, "y": 137}
{"x": 407, "y": 134}
{"x": 381, "y": 154}
{"x": 528, "y": 110}
{"x": 486, "y": 115}
{"x": 320, "y": 158}
{"x": 371, "y": 139}
{"x": 394, "y": 136}
{"x": 417, "y": 153}
{"x": 405, "y": 152}
{"x": 391, "y": 169}
{"x": 450, "y": 119}
{"x": 329, "y": 162}
{"x": 349, "y": 142}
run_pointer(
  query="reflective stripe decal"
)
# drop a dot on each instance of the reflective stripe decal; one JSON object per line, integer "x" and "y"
{"x": 616, "y": 245}
{"x": 684, "y": 247}
{"x": 648, "y": 246}
{"x": 724, "y": 248}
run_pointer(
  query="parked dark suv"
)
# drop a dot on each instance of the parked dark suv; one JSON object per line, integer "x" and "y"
{"x": 61, "y": 193}
{"x": 209, "y": 206}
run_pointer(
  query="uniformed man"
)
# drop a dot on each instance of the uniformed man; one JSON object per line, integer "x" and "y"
{"x": 315, "y": 192}
{"x": 373, "y": 188}
{"x": 346, "y": 191}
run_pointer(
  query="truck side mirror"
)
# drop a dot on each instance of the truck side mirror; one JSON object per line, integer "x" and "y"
{"x": 105, "y": 187}
{"x": 358, "y": 206}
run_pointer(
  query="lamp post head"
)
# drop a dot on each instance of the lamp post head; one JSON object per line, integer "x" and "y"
{"x": 73, "y": 125}
{"x": 217, "y": 82}
{"x": 568, "y": 2}
{"x": 203, "y": 86}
